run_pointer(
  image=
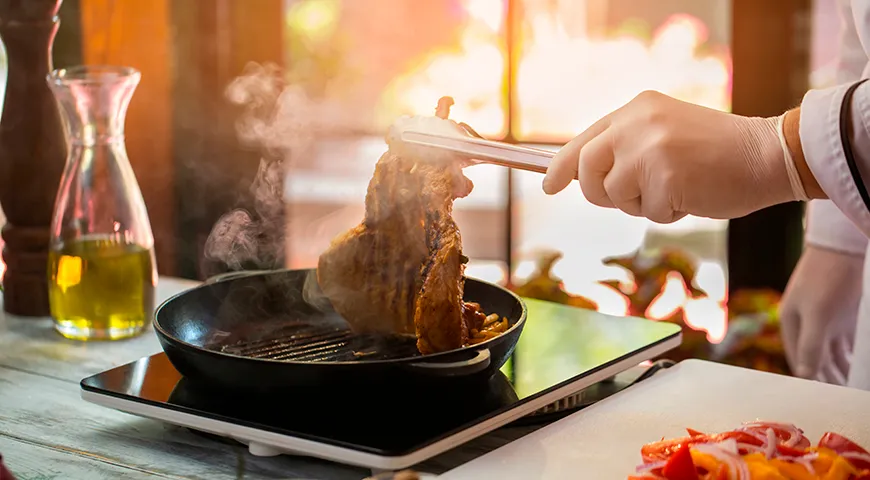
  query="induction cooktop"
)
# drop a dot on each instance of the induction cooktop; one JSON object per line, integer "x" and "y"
{"x": 561, "y": 352}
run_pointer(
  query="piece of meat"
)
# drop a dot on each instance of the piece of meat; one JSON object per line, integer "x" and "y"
{"x": 438, "y": 315}
{"x": 371, "y": 274}
{"x": 401, "y": 270}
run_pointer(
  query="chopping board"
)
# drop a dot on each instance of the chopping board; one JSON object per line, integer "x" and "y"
{"x": 603, "y": 441}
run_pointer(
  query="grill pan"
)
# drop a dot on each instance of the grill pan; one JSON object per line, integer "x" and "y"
{"x": 274, "y": 329}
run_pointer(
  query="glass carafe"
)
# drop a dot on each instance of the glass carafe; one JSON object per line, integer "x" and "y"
{"x": 102, "y": 271}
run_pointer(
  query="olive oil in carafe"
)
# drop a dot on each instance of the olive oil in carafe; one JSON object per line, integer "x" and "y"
{"x": 101, "y": 289}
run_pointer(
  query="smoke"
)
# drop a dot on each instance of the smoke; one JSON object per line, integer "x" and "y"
{"x": 282, "y": 122}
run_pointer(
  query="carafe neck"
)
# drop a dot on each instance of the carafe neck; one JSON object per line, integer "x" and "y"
{"x": 93, "y": 102}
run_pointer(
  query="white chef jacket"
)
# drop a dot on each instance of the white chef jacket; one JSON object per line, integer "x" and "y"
{"x": 843, "y": 222}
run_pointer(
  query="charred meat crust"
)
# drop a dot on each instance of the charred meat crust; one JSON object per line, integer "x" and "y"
{"x": 401, "y": 270}
{"x": 371, "y": 274}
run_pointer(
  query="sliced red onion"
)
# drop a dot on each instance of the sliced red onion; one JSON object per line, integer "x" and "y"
{"x": 649, "y": 467}
{"x": 794, "y": 433}
{"x": 805, "y": 456}
{"x": 765, "y": 423}
{"x": 754, "y": 434}
{"x": 856, "y": 456}
{"x": 770, "y": 444}
{"x": 749, "y": 448}
{"x": 805, "y": 460}
{"x": 737, "y": 468}
{"x": 729, "y": 445}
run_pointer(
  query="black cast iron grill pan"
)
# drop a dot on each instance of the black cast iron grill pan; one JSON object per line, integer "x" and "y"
{"x": 268, "y": 330}
{"x": 303, "y": 342}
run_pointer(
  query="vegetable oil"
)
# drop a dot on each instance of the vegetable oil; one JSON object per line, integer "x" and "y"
{"x": 101, "y": 268}
{"x": 100, "y": 288}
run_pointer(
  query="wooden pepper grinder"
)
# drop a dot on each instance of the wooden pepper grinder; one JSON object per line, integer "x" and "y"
{"x": 32, "y": 152}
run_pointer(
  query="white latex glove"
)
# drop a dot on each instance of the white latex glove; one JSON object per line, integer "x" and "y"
{"x": 819, "y": 311}
{"x": 661, "y": 158}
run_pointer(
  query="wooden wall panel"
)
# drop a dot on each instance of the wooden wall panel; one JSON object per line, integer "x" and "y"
{"x": 138, "y": 34}
{"x": 770, "y": 48}
{"x": 214, "y": 40}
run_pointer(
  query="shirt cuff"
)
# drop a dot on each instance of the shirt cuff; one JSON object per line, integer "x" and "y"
{"x": 828, "y": 228}
{"x": 820, "y": 141}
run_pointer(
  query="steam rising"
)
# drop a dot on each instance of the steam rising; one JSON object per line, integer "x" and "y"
{"x": 281, "y": 121}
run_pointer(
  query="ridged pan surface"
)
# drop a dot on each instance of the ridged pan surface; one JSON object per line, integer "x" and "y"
{"x": 276, "y": 330}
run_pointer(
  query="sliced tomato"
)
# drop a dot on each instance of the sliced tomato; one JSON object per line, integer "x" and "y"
{"x": 740, "y": 437}
{"x": 695, "y": 433}
{"x": 781, "y": 434}
{"x": 790, "y": 451}
{"x": 680, "y": 466}
{"x": 663, "y": 450}
{"x": 841, "y": 445}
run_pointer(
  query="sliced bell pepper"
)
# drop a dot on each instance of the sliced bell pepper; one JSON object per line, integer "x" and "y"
{"x": 793, "y": 471}
{"x": 825, "y": 459}
{"x": 680, "y": 466}
{"x": 766, "y": 471}
{"x": 760, "y": 468}
{"x": 707, "y": 462}
{"x": 662, "y": 450}
{"x": 841, "y": 469}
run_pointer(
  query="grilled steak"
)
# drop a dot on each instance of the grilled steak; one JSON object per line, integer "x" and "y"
{"x": 401, "y": 269}
{"x": 372, "y": 273}
{"x": 438, "y": 315}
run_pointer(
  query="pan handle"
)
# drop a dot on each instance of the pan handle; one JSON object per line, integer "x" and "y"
{"x": 477, "y": 364}
{"x": 231, "y": 275}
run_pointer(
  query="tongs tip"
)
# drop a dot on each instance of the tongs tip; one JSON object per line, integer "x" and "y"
{"x": 469, "y": 130}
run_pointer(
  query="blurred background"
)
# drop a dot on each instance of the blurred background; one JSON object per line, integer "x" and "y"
{"x": 527, "y": 71}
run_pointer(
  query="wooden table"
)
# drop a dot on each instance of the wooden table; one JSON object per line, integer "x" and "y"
{"x": 47, "y": 431}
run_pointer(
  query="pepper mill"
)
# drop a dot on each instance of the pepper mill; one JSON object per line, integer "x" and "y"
{"x": 32, "y": 152}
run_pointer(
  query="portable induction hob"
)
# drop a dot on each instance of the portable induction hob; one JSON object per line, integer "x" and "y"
{"x": 561, "y": 352}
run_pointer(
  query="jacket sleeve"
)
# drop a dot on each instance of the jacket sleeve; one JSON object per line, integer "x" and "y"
{"x": 827, "y": 224}
{"x": 829, "y": 228}
{"x": 851, "y": 57}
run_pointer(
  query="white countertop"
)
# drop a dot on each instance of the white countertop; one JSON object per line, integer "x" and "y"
{"x": 603, "y": 441}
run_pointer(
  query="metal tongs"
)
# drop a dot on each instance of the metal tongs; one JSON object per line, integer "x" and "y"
{"x": 480, "y": 150}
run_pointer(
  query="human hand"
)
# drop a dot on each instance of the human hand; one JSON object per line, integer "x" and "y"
{"x": 819, "y": 312}
{"x": 661, "y": 158}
